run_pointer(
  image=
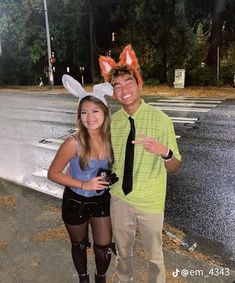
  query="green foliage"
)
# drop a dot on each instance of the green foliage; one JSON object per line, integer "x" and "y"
{"x": 227, "y": 74}
{"x": 201, "y": 76}
{"x": 165, "y": 35}
{"x": 152, "y": 82}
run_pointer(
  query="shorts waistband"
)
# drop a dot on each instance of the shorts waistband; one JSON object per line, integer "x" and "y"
{"x": 83, "y": 199}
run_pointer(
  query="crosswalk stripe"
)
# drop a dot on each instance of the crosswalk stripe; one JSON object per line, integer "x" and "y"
{"x": 46, "y": 145}
{"x": 180, "y": 108}
{"x": 183, "y": 122}
{"x": 190, "y": 100}
{"x": 54, "y": 140}
{"x": 56, "y": 192}
{"x": 41, "y": 173}
{"x": 56, "y": 147}
{"x": 173, "y": 103}
{"x": 183, "y": 104}
{"x": 193, "y": 98}
{"x": 183, "y": 118}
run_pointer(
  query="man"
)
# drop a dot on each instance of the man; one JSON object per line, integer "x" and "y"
{"x": 139, "y": 196}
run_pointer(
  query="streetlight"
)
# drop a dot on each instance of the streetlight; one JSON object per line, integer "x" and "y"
{"x": 82, "y": 69}
{"x": 113, "y": 36}
{"x": 50, "y": 70}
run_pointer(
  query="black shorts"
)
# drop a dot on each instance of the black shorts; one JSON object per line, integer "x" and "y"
{"x": 77, "y": 209}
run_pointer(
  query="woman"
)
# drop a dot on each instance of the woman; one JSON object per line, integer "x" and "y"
{"x": 86, "y": 197}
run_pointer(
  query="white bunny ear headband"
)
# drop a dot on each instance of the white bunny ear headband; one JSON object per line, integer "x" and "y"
{"x": 99, "y": 90}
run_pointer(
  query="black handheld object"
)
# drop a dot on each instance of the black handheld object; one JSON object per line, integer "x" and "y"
{"x": 108, "y": 176}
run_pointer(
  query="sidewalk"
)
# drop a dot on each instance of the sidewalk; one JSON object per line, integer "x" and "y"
{"x": 160, "y": 90}
{"x": 34, "y": 246}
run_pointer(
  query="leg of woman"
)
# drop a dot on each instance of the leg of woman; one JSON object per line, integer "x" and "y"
{"x": 102, "y": 235}
{"x": 79, "y": 239}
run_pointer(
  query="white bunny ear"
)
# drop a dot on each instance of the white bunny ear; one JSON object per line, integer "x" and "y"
{"x": 103, "y": 89}
{"x": 100, "y": 90}
{"x": 73, "y": 86}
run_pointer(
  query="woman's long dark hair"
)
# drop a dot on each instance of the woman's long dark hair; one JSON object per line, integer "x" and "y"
{"x": 83, "y": 138}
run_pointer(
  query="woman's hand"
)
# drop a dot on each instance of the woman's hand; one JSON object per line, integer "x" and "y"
{"x": 95, "y": 184}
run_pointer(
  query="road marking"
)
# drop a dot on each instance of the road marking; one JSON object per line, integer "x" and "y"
{"x": 41, "y": 173}
{"x": 173, "y": 103}
{"x": 183, "y": 104}
{"x": 191, "y": 100}
{"x": 183, "y": 122}
{"x": 46, "y": 189}
{"x": 54, "y": 143}
{"x": 180, "y": 108}
{"x": 46, "y": 145}
{"x": 48, "y": 142}
{"x": 184, "y": 118}
{"x": 52, "y": 140}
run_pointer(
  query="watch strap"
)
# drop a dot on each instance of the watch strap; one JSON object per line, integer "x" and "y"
{"x": 168, "y": 156}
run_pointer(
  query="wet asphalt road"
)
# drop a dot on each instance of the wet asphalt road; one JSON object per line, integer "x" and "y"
{"x": 200, "y": 199}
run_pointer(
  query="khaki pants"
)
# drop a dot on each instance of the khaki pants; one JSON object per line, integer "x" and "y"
{"x": 124, "y": 219}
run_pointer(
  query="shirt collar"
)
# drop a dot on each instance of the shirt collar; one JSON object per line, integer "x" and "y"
{"x": 137, "y": 112}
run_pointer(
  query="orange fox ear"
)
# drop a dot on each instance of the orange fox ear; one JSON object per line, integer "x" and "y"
{"x": 106, "y": 65}
{"x": 129, "y": 58}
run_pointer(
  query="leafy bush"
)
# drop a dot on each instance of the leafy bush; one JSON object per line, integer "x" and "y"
{"x": 170, "y": 76}
{"x": 207, "y": 76}
{"x": 201, "y": 76}
{"x": 227, "y": 74}
{"x": 152, "y": 81}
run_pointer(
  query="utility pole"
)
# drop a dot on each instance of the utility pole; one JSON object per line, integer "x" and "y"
{"x": 218, "y": 63}
{"x": 92, "y": 43}
{"x": 50, "y": 70}
{"x": 0, "y": 46}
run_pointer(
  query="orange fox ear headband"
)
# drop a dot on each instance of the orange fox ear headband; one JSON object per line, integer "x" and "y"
{"x": 127, "y": 58}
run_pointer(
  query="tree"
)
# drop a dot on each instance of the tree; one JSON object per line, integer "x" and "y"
{"x": 159, "y": 32}
{"x": 218, "y": 24}
{"x": 166, "y": 34}
{"x": 215, "y": 40}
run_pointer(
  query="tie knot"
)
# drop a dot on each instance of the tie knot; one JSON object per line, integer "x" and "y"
{"x": 132, "y": 124}
{"x": 131, "y": 120}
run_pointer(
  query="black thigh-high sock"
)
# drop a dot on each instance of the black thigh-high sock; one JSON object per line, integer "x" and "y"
{"x": 102, "y": 258}
{"x": 102, "y": 235}
{"x": 79, "y": 241}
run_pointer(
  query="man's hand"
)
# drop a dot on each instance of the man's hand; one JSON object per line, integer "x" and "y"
{"x": 154, "y": 146}
{"x": 151, "y": 145}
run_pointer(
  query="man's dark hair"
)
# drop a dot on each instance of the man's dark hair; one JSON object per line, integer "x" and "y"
{"x": 121, "y": 70}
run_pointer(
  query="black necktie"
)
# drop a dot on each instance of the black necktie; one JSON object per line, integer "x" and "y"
{"x": 129, "y": 160}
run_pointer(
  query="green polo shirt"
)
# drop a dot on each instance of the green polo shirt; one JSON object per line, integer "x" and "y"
{"x": 149, "y": 173}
